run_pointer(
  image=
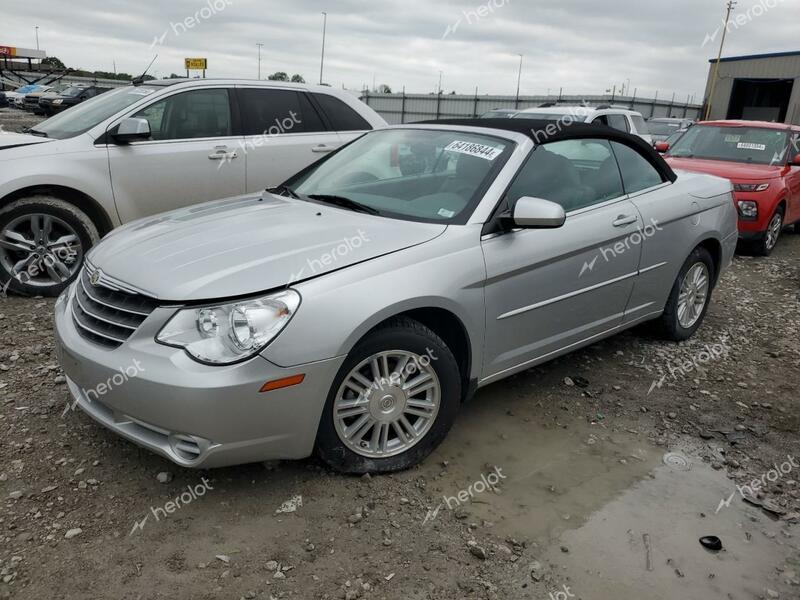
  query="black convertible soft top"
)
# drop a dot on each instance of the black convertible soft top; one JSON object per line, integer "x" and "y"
{"x": 542, "y": 132}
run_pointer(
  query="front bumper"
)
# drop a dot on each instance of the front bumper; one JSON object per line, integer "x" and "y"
{"x": 195, "y": 415}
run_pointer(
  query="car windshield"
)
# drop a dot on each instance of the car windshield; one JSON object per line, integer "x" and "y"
{"x": 419, "y": 175}
{"x": 736, "y": 144}
{"x": 82, "y": 118}
{"x": 73, "y": 92}
{"x": 663, "y": 127}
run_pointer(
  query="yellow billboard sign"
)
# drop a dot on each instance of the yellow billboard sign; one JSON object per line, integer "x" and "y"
{"x": 199, "y": 64}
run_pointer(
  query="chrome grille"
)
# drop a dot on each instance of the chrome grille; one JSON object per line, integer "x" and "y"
{"x": 107, "y": 316}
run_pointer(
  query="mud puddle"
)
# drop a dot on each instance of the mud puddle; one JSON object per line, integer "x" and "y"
{"x": 590, "y": 500}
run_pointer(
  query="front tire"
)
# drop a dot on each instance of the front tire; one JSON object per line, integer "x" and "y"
{"x": 766, "y": 244}
{"x": 392, "y": 402}
{"x": 690, "y": 297}
{"x": 43, "y": 240}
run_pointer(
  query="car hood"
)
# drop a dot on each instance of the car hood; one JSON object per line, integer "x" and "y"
{"x": 246, "y": 245}
{"x": 729, "y": 170}
{"x": 15, "y": 140}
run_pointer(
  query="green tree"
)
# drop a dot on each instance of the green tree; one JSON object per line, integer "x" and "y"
{"x": 298, "y": 78}
{"x": 53, "y": 62}
{"x": 279, "y": 76}
{"x": 384, "y": 89}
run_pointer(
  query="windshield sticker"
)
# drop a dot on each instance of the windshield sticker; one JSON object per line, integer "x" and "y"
{"x": 746, "y": 146}
{"x": 732, "y": 139}
{"x": 472, "y": 149}
{"x": 447, "y": 214}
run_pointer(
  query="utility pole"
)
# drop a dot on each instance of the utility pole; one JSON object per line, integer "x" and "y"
{"x": 324, "y": 33}
{"x": 36, "y": 29}
{"x": 519, "y": 81}
{"x": 260, "y": 45}
{"x": 731, "y": 5}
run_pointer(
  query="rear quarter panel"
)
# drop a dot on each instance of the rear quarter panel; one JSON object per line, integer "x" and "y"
{"x": 694, "y": 209}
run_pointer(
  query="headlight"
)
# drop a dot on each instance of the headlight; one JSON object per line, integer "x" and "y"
{"x": 223, "y": 335}
{"x": 750, "y": 187}
{"x": 748, "y": 209}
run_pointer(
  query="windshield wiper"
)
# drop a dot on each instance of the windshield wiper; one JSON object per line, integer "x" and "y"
{"x": 343, "y": 202}
{"x": 33, "y": 131}
{"x": 283, "y": 190}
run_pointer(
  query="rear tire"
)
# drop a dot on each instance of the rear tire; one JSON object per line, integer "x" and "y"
{"x": 684, "y": 312}
{"x": 43, "y": 240}
{"x": 389, "y": 438}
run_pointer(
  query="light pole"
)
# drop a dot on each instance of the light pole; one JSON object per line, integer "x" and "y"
{"x": 519, "y": 81}
{"x": 260, "y": 45}
{"x": 731, "y": 6}
{"x": 36, "y": 29}
{"x": 324, "y": 33}
{"x": 440, "y": 81}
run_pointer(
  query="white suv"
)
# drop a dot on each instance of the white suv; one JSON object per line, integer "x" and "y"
{"x": 151, "y": 147}
{"x": 623, "y": 119}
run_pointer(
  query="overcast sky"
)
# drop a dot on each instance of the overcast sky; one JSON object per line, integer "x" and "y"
{"x": 584, "y": 46}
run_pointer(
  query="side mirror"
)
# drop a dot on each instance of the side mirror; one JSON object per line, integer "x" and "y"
{"x": 662, "y": 147}
{"x": 795, "y": 161}
{"x": 131, "y": 130}
{"x": 538, "y": 213}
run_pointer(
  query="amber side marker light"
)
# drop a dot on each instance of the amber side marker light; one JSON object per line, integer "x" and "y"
{"x": 279, "y": 384}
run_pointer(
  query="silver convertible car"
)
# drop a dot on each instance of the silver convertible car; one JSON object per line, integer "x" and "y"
{"x": 351, "y": 311}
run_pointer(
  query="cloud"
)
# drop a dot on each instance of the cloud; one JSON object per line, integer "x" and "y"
{"x": 581, "y": 46}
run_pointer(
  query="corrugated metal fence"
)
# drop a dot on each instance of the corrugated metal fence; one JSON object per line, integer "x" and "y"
{"x": 409, "y": 108}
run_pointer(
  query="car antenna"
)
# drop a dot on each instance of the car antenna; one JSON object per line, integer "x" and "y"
{"x": 140, "y": 79}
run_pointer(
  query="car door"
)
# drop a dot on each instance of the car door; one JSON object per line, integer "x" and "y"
{"x": 793, "y": 178}
{"x": 192, "y": 156}
{"x": 548, "y": 290}
{"x": 669, "y": 214}
{"x": 283, "y": 134}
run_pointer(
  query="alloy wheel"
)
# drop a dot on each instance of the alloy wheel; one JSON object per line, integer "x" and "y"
{"x": 693, "y": 295}
{"x": 40, "y": 250}
{"x": 387, "y": 404}
{"x": 774, "y": 231}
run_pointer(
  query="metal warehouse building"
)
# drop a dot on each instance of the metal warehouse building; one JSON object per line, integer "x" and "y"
{"x": 764, "y": 87}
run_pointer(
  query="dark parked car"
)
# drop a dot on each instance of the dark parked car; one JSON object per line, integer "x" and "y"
{"x": 3, "y": 100}
{"x": 73, "y": 96}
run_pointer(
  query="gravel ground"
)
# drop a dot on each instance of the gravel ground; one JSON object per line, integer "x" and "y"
{"x": 84, "y": 514}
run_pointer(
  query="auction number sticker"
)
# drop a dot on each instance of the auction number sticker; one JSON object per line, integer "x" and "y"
{"x": 473, "y": 149}
{"x": 747, "y": 146}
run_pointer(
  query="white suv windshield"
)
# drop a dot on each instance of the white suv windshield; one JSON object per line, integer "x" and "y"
{"x": 420, "y": 175}
{"x": 82, "y": 118}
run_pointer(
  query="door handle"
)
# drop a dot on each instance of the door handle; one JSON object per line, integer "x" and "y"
{"x": 624, "y": 220}
{"x": 322, "y": 148}
{"x": 222, "y": 153}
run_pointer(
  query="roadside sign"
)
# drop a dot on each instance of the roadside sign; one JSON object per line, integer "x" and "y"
{"x": 12, "y": 52}
{"x": 199, "y": 64}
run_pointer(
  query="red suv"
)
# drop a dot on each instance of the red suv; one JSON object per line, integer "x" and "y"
{"x": 761, "y": 159}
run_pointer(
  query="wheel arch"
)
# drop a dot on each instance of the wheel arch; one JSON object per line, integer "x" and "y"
{"x": 444, "y": 322}
{"x": 79, "y": 199}
{"x": 714, "y": 248}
